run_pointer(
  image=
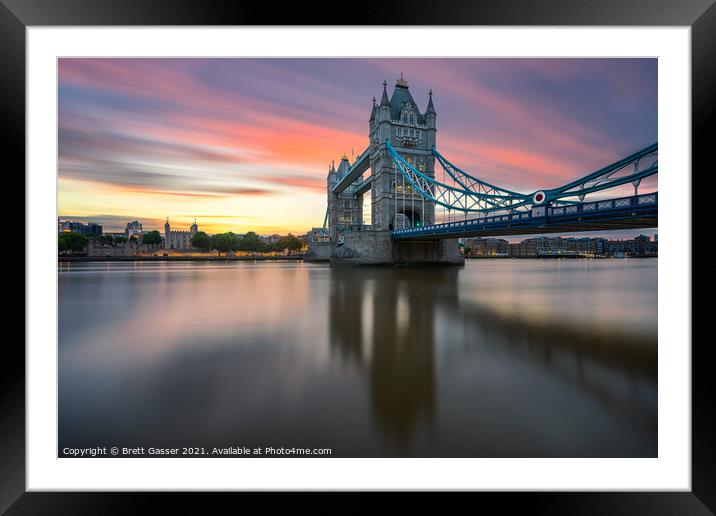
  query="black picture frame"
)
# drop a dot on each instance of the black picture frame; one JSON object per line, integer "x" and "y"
{"x": 16, "y": 15}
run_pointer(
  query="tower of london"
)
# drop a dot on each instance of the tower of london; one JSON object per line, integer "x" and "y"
{"x": 179, "y": 239}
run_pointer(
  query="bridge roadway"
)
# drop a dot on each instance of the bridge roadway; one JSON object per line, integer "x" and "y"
{"x": 634, "y": 212}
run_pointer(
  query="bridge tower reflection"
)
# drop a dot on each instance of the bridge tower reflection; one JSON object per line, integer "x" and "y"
{"x": 383, "y": 321}
{"x": 405, "y": 329}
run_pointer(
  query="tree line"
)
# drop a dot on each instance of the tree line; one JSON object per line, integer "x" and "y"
{"x": 72, "y": 241}
{"x": 223, "y": 242}
{"x": 250, "y": 242}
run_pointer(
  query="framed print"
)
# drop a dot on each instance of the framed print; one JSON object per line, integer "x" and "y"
{"x": 420, "y": 254}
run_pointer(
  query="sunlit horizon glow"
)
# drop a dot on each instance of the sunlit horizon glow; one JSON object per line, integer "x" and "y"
{"x": 245, "y": 144}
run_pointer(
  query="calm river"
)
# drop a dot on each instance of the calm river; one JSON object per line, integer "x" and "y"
{"x": 500, "y": 358}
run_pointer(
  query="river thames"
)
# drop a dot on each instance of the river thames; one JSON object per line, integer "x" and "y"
{"x": 499, "y": 358}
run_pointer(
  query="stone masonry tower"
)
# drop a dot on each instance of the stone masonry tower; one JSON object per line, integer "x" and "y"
{"x": 412, "y": 134}
{"x": 345, "y": 210}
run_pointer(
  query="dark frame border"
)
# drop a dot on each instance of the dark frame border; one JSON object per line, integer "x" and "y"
{"x": 16, "y": 15}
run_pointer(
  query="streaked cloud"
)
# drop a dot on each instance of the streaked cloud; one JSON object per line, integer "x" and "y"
{"x": 245, "y": 143}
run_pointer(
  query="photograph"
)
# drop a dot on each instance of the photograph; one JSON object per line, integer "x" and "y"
{"x": 358, "y": 257}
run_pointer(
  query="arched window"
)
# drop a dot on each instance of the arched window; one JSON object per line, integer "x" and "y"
{"x": 412, "y": 118}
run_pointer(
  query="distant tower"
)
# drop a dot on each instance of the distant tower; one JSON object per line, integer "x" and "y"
{"x": 167, "y": 234}
{"x": 194, "y": 228}
{"x": 399, "y": 120}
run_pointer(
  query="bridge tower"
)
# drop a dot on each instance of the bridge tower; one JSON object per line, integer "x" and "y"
{"x": 345, "y": 210}
{"x": 412, "y": 133}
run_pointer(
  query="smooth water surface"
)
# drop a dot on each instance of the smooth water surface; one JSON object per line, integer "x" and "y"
{"x": 500, "y": 358}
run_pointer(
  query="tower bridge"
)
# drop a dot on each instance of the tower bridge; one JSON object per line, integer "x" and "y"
{"x": 407, "y": 196}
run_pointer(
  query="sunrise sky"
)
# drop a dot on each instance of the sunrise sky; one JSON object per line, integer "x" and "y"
{"x": 245, "y": 144}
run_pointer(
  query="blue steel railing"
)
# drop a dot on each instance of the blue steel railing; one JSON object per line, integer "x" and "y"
{"x": 540, "y": 214}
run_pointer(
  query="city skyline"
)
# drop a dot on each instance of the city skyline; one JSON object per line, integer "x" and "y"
{"x": 616, "y": 236}
{"x": 245, "y": 144}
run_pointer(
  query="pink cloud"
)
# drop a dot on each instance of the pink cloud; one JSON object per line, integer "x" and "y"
{"x": 188, "y": 128}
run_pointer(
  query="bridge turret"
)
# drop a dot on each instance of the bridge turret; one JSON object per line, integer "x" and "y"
{"x": 384, "y": 109}
{"x": 343, "y": 166}
{"x": 430, "y": 109}
{"x": 331, "y": 177}
{"x": 384, "y": 101}
{"x": 430, "y": 121}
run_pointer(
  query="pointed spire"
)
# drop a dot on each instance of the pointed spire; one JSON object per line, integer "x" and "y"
{"x": 384, "y": 101}
{"x": 372, "y": 112}
{"x": 431, "y": 108}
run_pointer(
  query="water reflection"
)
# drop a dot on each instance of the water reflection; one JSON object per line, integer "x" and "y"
{"x": 393, "y": 340}
{"x": 410, "y": 311}
{"x": 369, "y": 362}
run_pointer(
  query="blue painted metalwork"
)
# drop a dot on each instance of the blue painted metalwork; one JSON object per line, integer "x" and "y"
{"x": 360, "y": 165}
{"x": 609, "y": 176}
{"x": 638, "y": 211}
{"x": 362, "y": 187}
{"x": 472, "y": 195}
{"x": 454, "y": 197}
{"x": 472, "y": 183}
{"x": 501, "y": 211}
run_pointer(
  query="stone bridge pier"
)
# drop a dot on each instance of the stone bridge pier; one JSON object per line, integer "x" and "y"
{"x": 378, "y": 248}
